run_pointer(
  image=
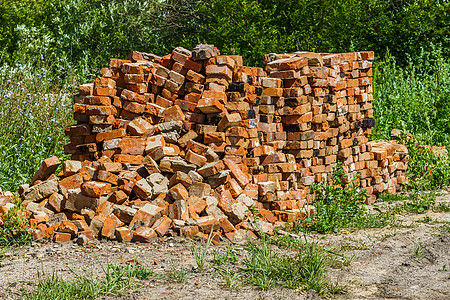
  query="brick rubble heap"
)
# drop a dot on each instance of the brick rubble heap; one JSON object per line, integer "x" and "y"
{"x": 195, "y": 140}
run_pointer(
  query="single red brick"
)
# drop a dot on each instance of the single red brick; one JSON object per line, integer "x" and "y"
{"x": 60, "y": 237}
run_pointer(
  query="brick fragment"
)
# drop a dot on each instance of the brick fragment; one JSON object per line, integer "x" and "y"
{"x": 146, "y": 216}
{"x": 109, "y": 227}
{"x": 173, "y": 113}
{"x": 47, "y": 168}
{"x": 162, "y": 225}
{"x": 140, "y": 126}
{"x": 178, "y": 192}
{"x": 144, "y": 234}
{"x": 95, "y": 189}
{"x": 123, "y": 234}
{"x": 207, "y": 223}
{"x": 60, "y": 237}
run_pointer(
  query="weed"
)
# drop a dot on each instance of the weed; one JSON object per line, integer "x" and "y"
{"x": 428, "y": 169}
{"x": 426, "y": 219}
{"x": 378, "y": 219}
{"x": 134, "y": 271}
{"x": 338, "y": 203}
{"x": 337, "y": 288}
{"x": 228, "y": 258}
{"x": 445, "y": 228}
{"x": 441, "y": 207}
{"x": 200, "y": 254}
{"x": 411, "y": 99}
{"x": 179, "y": 276}
{"x": 340, "y": 259}
{"x": 386, "y": 197}
{"x": 421, "y": 202}
{"x": 16, "y": 230}
{"x": 385, "y": 236}
{"x": 2, "y": 254}
{"x": 231, "y": 278}
{"x": 444, "y": 268}
{"x": 418, "y": 252}
{"x": 285, "y": 241}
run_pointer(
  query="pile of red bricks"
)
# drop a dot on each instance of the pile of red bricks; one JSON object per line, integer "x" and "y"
{"x": 192, "y": 141}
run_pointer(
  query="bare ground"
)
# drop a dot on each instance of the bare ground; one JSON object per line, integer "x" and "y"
{"x": 408, "y": 262}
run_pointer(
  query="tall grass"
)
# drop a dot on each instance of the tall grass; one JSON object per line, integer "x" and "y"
{"x": 35, "y": 109}
{"x": 415, "y": 99}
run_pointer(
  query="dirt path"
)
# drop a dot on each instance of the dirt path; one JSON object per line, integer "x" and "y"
{"x": 399, "y": 263}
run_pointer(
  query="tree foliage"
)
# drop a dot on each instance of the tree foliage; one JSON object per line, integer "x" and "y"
{"x": 87, "y": 33}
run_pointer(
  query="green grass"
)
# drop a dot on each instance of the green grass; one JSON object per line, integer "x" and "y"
{"x": 2, "y": 254}
{"x": 133, "y": 271}
{"x": 306, "y": 270}
{"x": 338, "y": 207}
{"x": 414, "y": 98}
{"x": 200, "y": 252}
{"x": 116, "y": 281}
{"x": 418, "y": 252}
{"x": 415, "y": 203}
{"x": 232, "y": 279}
{"x": 427, "y": 170}
{"x": 228, "y": 257}
{"x": 338, "y": 204}
{"x": 445, "y": 228}
{"x": 177, "y": 275}
{"x": 16, "y": 230}
{"x": 441, "y": 207}
{"x": 36, "y": 108}
{"x": 265, "y": 266}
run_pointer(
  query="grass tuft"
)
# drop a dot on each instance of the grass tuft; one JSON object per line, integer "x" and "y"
{"x": 306, "y": 270}
{"x": 200, "y": 253}
{"x": 179, "y": 276}
{"x": 229, "y": 257}
{"x": 84, "y": 286}
{"x": 134, "y": 271}
{"x": 231, "y": 278}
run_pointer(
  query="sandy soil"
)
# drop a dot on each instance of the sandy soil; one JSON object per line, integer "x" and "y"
{"x": 411, "y": 262}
